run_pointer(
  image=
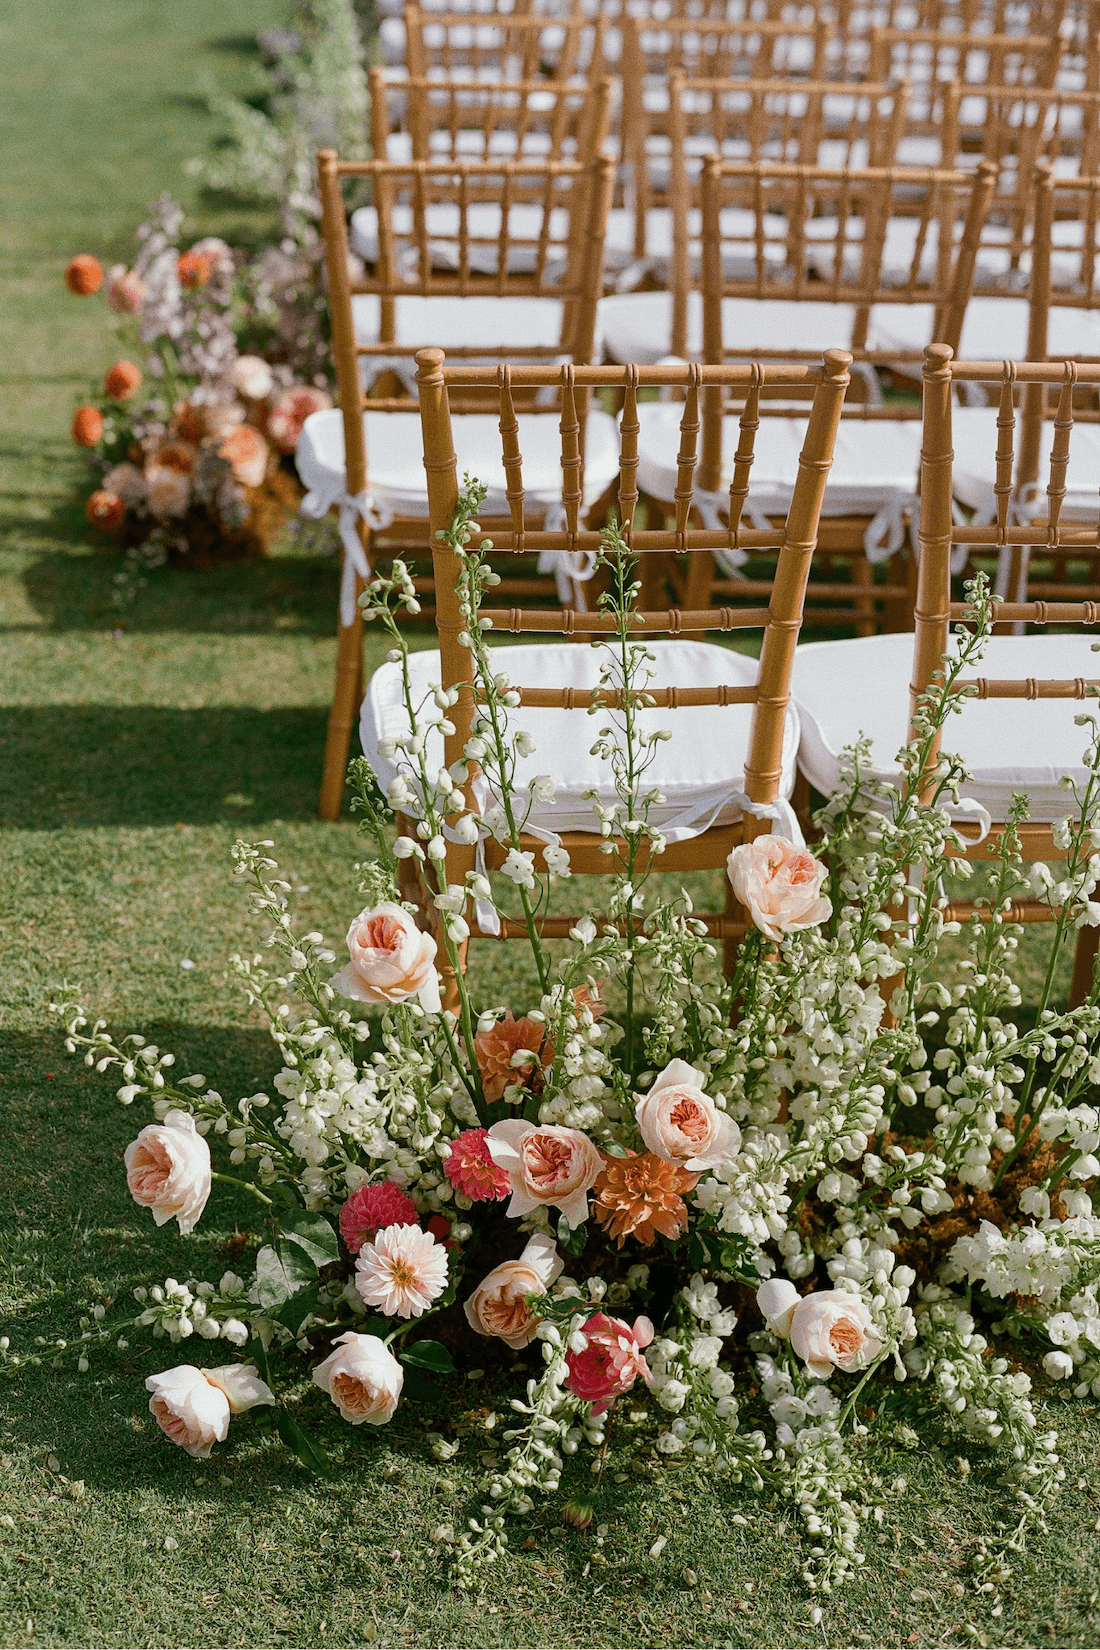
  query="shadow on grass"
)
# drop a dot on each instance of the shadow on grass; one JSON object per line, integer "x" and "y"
{"x": 101, "y": 765}
{"x": 277, "y": 593}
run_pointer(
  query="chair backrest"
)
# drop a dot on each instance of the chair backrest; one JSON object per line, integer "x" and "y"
{"x": 571, "y": 206}
{"x": 720, "y": 49}
{"x": 1048, "y": 527}
{"x": 820, "y": 234}
{"x": 477, "y": 120}
{"x": 520, "y": 44}
{"x": 818, "y": 122}
{"x": 795, "y": 539}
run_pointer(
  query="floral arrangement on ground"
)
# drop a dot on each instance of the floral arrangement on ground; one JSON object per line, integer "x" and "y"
{"x": 835, "y": 1196}
{"x": 193, "y": 429}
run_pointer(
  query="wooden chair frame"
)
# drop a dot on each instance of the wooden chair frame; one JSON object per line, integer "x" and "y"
{"x": 578, "y": 291}
{"x": 796, "y": 538}
{"x": 940, "y": 534}
{"x": 519, "y": 43}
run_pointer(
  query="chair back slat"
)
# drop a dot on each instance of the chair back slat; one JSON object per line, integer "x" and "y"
{"x": 571, "y": 451}
{"x": 511, "y": 456}
{"x": 1006, "y": 456}
{"x": 629, "y": 431}
{"x": 748, "y": 425}
{"x": 685, "y": 458}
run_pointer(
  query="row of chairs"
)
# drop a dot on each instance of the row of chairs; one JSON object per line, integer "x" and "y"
{"x": 741, "y": 732}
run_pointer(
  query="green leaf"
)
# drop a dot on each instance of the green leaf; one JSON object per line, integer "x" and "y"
{"x": 613, "y": 1149}
{"x": 428, "y": 1355}
{"x": 293, "y": 1312}
{"x": 376, "y": 1326}
{"x": 308, "y": 1451}
{"x": 280, "y": 1273}
{"x": 313, "y": 1234}
{"x": 420, "y": 1389}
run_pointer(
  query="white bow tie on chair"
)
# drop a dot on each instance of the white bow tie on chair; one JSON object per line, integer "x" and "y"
{"x": 353, "y": 508}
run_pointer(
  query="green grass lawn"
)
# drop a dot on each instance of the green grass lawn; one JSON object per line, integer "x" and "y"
{"x": 134, "y": 748}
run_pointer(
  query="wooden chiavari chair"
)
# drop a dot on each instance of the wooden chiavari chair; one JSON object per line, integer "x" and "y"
{"x": 520, "y": 44}
{"x": 546, "y": 312}
{"x": 1007, "y": 746}
{"x": 727, "y": 776}
{"x": 441, "y": 120}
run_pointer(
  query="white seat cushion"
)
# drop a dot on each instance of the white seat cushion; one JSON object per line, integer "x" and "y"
{"x": 700, "y": 771}
{"x": 395, "y": 463}
{"x": 451, "y": 323}
{"x": 846, "y": 689}
{"x": 637, "y": 326}
{"x": 995, "y": 329}
{"x": 441, "y": 219}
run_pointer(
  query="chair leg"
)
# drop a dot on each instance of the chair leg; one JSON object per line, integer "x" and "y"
{"x": 347, "y": 696}
{"x": 1084, "y": 964}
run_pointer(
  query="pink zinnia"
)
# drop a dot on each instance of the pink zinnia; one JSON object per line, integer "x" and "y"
{"x": 611, "y": 1362}
{"x": 402, "y": 1272}
{"x": 374, "y": 1206}
{"x": 471, "y": 1169}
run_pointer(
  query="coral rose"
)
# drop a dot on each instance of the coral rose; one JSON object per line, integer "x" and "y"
{"x": 289, "y": 412}
{"x": 681, "y": 1123}
{"x": 122, "y": 380}
{"x": 498, "y": 1305}
{"x": 363, "y": 1379}
{"x": 192, "y": 1406}
{"x": 84, "y": 275}
{"x": 391, "y": 960}
{"x": 546, "y": 1164}
{"x": 168, "y": 1170}
{"x": 105, "y": 510}
{"x": 87, "y": 426}
{"x": 125, "y": 290}
{"x": 829, "y": 1329}
{"x": 373, "y": 1206}
{"x": 611, "y": 1361}
{"x": 470, "y": 1168}
{"x": 641, "y": 1196}
{"x": 779, "y": 885}
{"x": 496, "y": 1047}
{"x": 252, "y": 377}
{"x": 194, "y": 269}
{"x": 246, "y": 452}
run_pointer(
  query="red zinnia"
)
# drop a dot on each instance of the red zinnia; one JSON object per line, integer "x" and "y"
{"x": 84, "y": 275}
{"x": 382, "y": 1203}
{"x": 87, "y": 426}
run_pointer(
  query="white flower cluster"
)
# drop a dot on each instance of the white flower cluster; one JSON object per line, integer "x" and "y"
{"x": 180, "y": 1310}
{"x": 1045, "y": 1260}
{"x": 747, "y": 1195}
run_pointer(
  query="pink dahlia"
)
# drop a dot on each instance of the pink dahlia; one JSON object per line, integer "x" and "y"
{"x": 401, "y": 1272}
{"x": 471, "y": 1170}
{"x": 373, "y": 1206}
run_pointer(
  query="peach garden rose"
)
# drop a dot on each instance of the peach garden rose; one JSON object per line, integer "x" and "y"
{"x": 363, "y": 1379}
{"x": 168, "y": 1170}
{"x": 391, "y": 960}
{"x": 192, "y": 1406}
{"x": 680, "y": 1122}
{"x": 779, "y": 885}
{"x": 546, "y": 1164}
{"x": 498, "y": 1305}
{"x": 828, "y": 1329}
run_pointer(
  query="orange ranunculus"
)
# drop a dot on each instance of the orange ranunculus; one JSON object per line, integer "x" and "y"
{"x": 84, "y": 275}
{"x": 195, "y": 269}
{"x": 641, "y": 1196}
{"x": 105, "y": 510}
{"x": 246, "y": 451}
{"x": 87, "y": 426}
{"x": 122, "y": 380}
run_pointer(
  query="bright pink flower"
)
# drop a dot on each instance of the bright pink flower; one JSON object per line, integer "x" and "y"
{"x": 471, "y": 1170}
{"x": 289, "y": 412}
{"x": 611, "y": 1362}
{"x": 374, "y": 1206}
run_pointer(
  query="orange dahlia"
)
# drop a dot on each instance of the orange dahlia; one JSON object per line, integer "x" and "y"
{"x": 84, "y": 275}
{"x": 496, "y": 1047}
{"x": 641, "y": 1196}
{"x": 87, "y": 426}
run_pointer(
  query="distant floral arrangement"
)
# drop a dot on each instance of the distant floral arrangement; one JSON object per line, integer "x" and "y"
{"x": 761, "y": 1219}
{"x": 192, "y": 429}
